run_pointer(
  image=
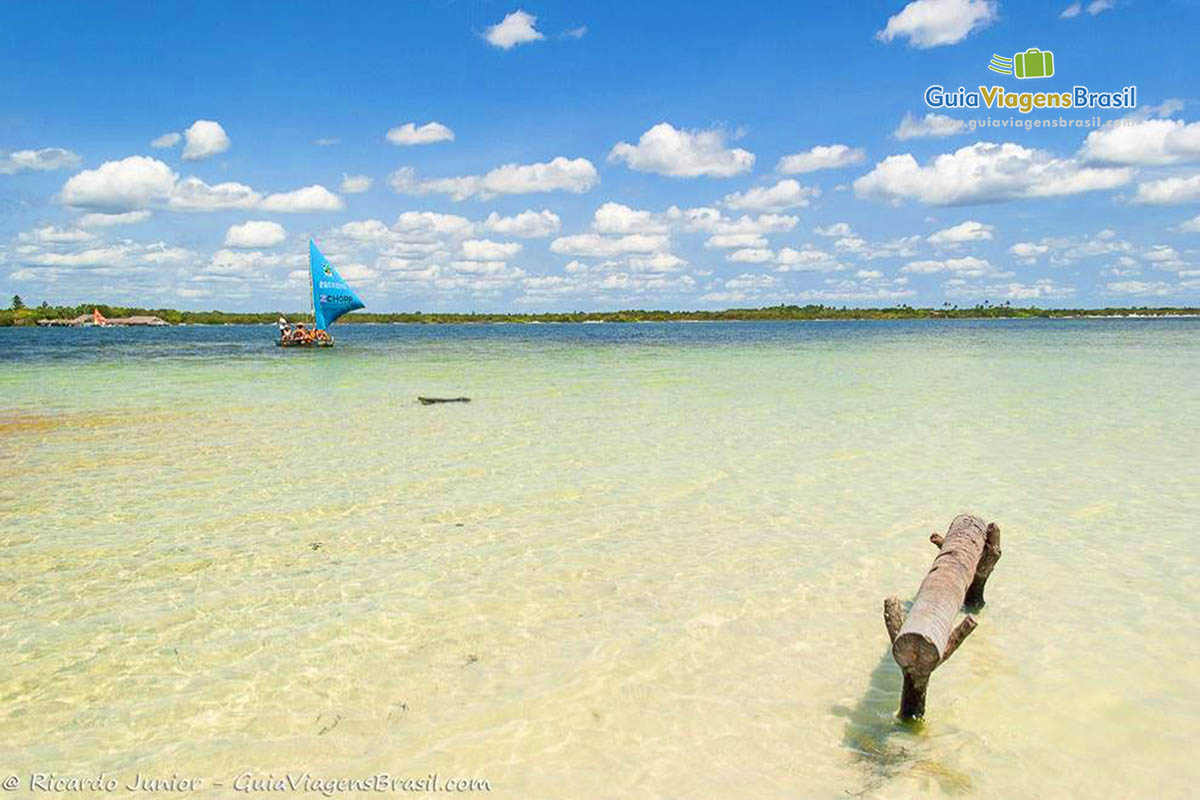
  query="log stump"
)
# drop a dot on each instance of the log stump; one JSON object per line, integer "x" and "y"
{"x": 927, "y": 637}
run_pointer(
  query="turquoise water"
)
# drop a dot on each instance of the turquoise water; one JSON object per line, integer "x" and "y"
{"x": 645, "y": 561}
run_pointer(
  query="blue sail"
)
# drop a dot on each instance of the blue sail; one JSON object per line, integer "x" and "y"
{"x": 331, "y": 296}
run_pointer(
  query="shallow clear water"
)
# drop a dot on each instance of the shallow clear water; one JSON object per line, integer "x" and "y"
{"x": 645, "y": 561}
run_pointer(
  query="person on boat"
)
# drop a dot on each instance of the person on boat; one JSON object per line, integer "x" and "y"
{"x": 285, "y": 327}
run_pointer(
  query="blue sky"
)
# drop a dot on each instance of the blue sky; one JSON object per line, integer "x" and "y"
{"x": 556, "y": 156}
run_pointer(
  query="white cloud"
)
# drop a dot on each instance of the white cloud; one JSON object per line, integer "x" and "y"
{"x": 1028, "y": 252}
{"x": 836, "y": 229}
{"x": 967, "y": 266}
{"x": 429, "y": 133}
{"x": 657, "y": 262}
{"x": 1165, "y": 257}
{"x": 204, "y": 138}
{"x": 1140, "y": 288}
{"x": 591, "y": 245}
{"x": 576, "y": 33}
{"x": 932, "y": 23}
{"x": 1145, "y": 142}
{"x": 52, "y": 234}
{"x": 1065, "y": 250}
{"x": 528, "y": 224}
{"x": 616, "y": 218}
{"x": 736, "y": 240}
{"x": 560, "y": 174}
{"x": 1169, "y": 191}
{"x": 969, "y": 231}
{"x": 131, "y": 183}
{"x": 1071, "y": 11}
{"x": 821, "y": 157}
{"x": 712, "y": 221}
{"x": 44, "y": 160}
{"x": 433, "y": 224}
{"x": 984, "y": 173}
{"x": 667, "y": 150}
{"x": 930, "y": 126}
{"x": 750, "y": 255}
{"x": 109, "y": 259}
{"x": 807, "y": 260}
{"x": 109, "y": 220}
{"x": 310, "y": 198}
{"x": 167, "y": 140}
{"x": 901, "y": 247}
{"x": 488, "y": 250}
{"x": 783, "y": 195}
{"x": 1039, "y": 289}
{"x": 193, "y": 194}
{"x": 255, "y": 233}
{"x": 1190, "y": 226}
{"x": 1097, "y": 6}
{"x": 516, "y": 28}
{"x": 355, "y": 184}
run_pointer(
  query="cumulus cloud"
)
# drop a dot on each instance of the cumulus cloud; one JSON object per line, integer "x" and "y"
{"x": 667, "y": 150}
{"x": 1169, "y": 191}
{"x": 130, "y": 183}
{"x": 310, "y": 198}
{"x": 1145, "y": 142}
{"x": 933, "y": 23}
{"x": 255, "y": 233}
{"x": 984, "y": 173}
{"x": 969, "y": 231}
{"x": 560, "y": 174}
{"x": 193, "y": 194}
{"x": 44, "y": 160}
{"x": 783, "y": 195}
{"x": 137, "y": 183}
{"x": 516, "y": 28}
{"x": 429, "y": 133}
{"x": 821, "y": 157}
{"x": 1140, "y": 288}
{"x": 95, "y": 220}
{"x": 967, "y": 266}
{"x": 593, "y": 245}
{"x": 355, "y": 184}
{"x": 836, "y": 229}
{"x": 528, "y": 224}
{"x": 617, "y": 218}
{"x": 488, "y": 250}
{"x": 930, "y": 126}
{"x": 167, "y": 140}
{"x": 1028, "y": 252}
{"x": 858, "y": 247}
{"x": 203, "y": 139}
{"x": 53, "y": 234}
{"x": 1190, "y": 226}
{"x": 807, "y": 259}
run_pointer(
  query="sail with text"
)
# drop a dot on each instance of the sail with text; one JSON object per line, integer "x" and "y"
{"x": 331, "y": 296}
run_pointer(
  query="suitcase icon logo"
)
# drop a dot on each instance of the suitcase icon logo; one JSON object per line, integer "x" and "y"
{"x": 1033, "y": 63}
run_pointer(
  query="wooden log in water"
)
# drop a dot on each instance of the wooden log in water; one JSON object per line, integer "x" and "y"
{"x": 927, "y": 637}
{"x": 428, "y": 401}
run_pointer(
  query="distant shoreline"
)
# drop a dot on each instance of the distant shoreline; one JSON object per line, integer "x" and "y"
{"x": 32, "y": 316}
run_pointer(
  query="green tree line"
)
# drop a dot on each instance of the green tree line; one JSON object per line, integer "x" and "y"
{"x": 21, "y": 314}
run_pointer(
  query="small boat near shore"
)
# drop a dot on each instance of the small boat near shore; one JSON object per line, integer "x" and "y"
{"x": 330, "y": 297}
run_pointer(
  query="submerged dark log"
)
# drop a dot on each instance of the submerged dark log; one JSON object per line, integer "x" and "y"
{"x": 428, "y": 401}
{"x": 927, "y": 637}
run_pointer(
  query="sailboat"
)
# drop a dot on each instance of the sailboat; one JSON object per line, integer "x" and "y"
{"x": 330, "y": 296}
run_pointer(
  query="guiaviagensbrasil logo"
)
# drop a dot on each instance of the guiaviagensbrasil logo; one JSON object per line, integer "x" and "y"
{"x": 1033, "y": 63}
